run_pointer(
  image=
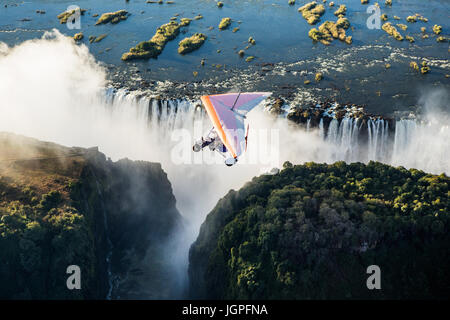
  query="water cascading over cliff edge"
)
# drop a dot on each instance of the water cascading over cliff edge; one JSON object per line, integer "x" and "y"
{"x": 66, "y": 102}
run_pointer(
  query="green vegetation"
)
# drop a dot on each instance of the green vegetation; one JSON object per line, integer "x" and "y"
{"x": 402, "y": 26}
{"x": 78, "y": 36}
{"x": 411, "y": 19}
{"x": 192, "y": 43}
{"x": 311, "y": 231}
{"x": 316, "y": 35}
{"x": 224, "y": 23}
{"x": 410, "y": 39}
{"x": 38, "y": 241}
{"x": 42, "y": 230}
{"x": 414, "y": 65}
{"x": 185, "y": 22}
{"x": 391, "y": 30}
{"x": 318, "y": 76}
{"x": 154, "y": 47}
{"x": 64, "y": 16}
{"x": 312, "y": 12}
{"x": 113, "y": 17}
{"x": 54, "y": 203}
{"x": 330, "y": 30}
{"x": 100, "y": 37}
{"x": 437, "y": 29}
{"x": 341, "y": 11}
{"x": 425, "y": 68}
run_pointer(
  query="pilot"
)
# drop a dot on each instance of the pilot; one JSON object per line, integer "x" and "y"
{"x": 211, "y": 141}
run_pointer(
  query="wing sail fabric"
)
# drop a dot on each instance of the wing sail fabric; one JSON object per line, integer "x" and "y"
{"x": 228, "y": 122}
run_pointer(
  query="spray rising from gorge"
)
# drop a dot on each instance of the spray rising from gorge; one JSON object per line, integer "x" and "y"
{"x": 54, "y": 90}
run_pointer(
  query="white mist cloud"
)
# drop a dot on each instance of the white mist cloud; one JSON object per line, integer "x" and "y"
{"x": 46, "y": 86}
{"x": 426, "y": 145}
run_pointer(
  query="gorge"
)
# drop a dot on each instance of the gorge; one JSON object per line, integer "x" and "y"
{"x": 69, "y": 101}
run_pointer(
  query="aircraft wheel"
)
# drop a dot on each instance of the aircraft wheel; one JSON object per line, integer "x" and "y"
{"x": 196, "y": 148}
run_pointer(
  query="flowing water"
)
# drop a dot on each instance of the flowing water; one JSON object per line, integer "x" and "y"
{"x": 54, "y": 90}
{"x": 284, "y": 54}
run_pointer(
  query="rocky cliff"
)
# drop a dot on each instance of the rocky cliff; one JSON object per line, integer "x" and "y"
{"x": 311, "y": 231}
{"x": 71, "y": 206}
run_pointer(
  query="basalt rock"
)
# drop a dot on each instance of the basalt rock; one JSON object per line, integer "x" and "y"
{"x": 61, "y": 206}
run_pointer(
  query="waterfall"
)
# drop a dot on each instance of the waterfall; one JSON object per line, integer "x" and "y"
{"x": 422, "y": 145}
{"x": 129, "y": 124}
{"x": 72, "y": 108}
{"x": 154, "y": 120}
{"x": 343, "y": 139}
{"x": 412, "y": 144}
{"x": 321, "y": 129}
{"x": 348, "y": 138}
{"x": 378, "y": 133}
{"x": 404, "y": 131}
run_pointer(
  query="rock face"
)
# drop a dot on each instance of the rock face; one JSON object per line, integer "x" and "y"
{"x": 312, "y": 115}
{"x": 71, "y": 206}
{"x": 311, "y": 231}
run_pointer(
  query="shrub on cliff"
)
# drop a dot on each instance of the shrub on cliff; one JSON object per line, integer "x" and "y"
{"x": 38, "y": 243}
{"x": 311, "y": 231}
